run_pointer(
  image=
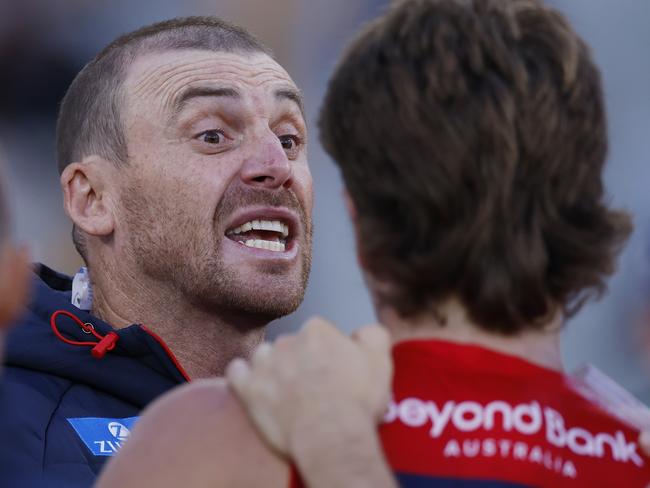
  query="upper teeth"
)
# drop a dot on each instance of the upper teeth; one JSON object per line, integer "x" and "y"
{"x": 272, "y": 225}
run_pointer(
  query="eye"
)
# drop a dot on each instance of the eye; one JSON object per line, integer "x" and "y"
{"x": 288, "y": 142}
{"x": 291, "y": 144}
{"x": 211, "y": 136}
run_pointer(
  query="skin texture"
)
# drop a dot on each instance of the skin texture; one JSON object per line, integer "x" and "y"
{"x": 213, "y": 138}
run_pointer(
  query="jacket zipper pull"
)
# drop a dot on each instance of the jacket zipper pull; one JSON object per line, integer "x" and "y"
{"x": 103, "y": 346}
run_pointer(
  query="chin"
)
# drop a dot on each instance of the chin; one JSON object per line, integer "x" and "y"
{"x": 270, "y": 304}
{"x": 256, "y": 305}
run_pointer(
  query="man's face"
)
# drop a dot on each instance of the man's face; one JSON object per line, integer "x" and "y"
{"x": 216, "y": 198}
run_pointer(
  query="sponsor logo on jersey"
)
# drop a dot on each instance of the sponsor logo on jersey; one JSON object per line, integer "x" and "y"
{"x": 498, "y": 416}
{"x": 103, "y": 437}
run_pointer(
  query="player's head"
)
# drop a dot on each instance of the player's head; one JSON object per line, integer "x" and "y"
{"x": 182, "y": 153}
{"x": 471, "y": 137}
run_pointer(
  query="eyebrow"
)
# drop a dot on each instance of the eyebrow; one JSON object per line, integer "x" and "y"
{"x": 202, "y": 91}
{"x": 223, "y": 92}
{"x": 293, "y": 95}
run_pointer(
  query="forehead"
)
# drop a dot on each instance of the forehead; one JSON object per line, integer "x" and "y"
{"x": 162, "y": 77}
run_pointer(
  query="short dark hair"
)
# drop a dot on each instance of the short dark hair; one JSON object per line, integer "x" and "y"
{"x": 471, "y": 136}
{"x": 90, "y": 119}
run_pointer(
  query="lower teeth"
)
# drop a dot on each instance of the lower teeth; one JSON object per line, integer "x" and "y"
{"x": 268, "y": 245}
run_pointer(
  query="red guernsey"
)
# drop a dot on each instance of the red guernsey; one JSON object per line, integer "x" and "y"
{"x": 468, "y": 416}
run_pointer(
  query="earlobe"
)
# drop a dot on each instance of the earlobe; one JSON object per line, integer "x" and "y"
{"x": 87, "y": 197}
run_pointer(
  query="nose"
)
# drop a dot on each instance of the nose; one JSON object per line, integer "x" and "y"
{"x": 268, "y": 166}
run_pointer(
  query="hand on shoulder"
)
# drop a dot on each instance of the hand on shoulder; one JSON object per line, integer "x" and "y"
{"x": 317, "y": 397}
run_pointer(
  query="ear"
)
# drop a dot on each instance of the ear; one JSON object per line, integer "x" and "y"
{"x": 352, "y": 212}
{"x": 87, "y": 196}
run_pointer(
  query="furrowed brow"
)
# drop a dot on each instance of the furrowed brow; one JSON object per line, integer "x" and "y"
{"x": 293, "y": 95}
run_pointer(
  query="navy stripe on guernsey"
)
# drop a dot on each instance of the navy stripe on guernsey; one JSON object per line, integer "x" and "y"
{"x": 421, "y": 481}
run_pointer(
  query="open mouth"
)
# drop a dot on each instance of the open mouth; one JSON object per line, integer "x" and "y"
{"x": 271, "y": 235}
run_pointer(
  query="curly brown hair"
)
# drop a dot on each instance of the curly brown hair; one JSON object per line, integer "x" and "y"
{"x": 471, "y": 136}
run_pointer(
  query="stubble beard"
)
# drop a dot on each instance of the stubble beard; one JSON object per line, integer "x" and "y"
{"x": 169, "y": 248}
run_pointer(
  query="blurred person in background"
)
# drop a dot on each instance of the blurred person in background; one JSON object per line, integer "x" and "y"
{"x": 14, "y": 268}
{"x": 14, "y": 286}
{"x": 182, "y": 154}
{"x": 471, "y": 137}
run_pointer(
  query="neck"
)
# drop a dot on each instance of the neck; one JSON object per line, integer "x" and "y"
{"x": 203, "y": 342}
{"x": 538, "y": 346}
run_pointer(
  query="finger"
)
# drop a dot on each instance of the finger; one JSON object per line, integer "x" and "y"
{"x": 373, "y": 338}
{"x": 318, "y": 325}
{"x": 238, "y": 374}
{"x": 375, "y": 342}
{"x": 284, "y": 342}
{"x": 261, "y": 355}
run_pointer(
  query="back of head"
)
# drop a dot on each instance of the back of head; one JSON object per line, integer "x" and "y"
{"x": 471, "y": 136}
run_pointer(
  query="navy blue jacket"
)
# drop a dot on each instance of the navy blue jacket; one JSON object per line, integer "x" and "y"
{"x": 65, "y": 411}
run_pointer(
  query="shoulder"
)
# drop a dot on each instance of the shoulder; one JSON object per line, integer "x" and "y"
{"x": 28, "y": 403}
{"x": 31, "y": 397}
{"x": 196, "y": 435}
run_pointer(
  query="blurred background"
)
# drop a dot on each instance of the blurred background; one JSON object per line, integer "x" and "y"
{"x": 44, "y": 43}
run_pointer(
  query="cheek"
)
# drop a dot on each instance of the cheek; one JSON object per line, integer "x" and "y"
{"x": 190, "y": 202}
{"x": 206, "y": 187}
{"x": 304, "y": 186}
{"x": 197, "y": 198}
{"x": 178, "y": 186}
